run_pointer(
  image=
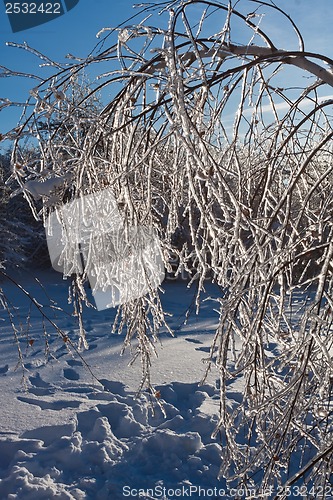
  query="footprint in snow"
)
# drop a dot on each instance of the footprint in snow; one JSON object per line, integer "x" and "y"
{"x": 113, "y": 386}
{"x": 203, "y": 349}
{"x": 92, "y": 346}
{"x": 71, "y": 374}
{"x": 37, "y": 381}
{"x": 40, "y": 387}
{"x": 50, "y": 405}
{"x": 74, "y": 362}
{"x": 4, "y": 369}
{"x": 194, "y": 341}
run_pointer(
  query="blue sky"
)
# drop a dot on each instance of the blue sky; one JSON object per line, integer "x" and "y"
{"x": 75, "y": 32}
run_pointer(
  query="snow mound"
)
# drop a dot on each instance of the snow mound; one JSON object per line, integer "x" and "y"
{"x": 120, "y": 445}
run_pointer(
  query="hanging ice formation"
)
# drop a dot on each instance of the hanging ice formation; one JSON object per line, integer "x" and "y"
{"x": 88, "y": 235}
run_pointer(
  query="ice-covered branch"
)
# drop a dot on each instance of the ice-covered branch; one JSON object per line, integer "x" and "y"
{"x": 209, "y": 143}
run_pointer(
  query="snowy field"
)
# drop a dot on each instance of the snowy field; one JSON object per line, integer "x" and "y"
{"x": 68, "y": 434}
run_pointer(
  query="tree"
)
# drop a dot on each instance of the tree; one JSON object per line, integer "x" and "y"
{"x": 205, "y": 142}
{"x": 22, "y": 237}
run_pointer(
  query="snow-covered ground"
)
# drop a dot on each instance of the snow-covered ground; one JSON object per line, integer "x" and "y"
{"x": 63, "y": 434}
